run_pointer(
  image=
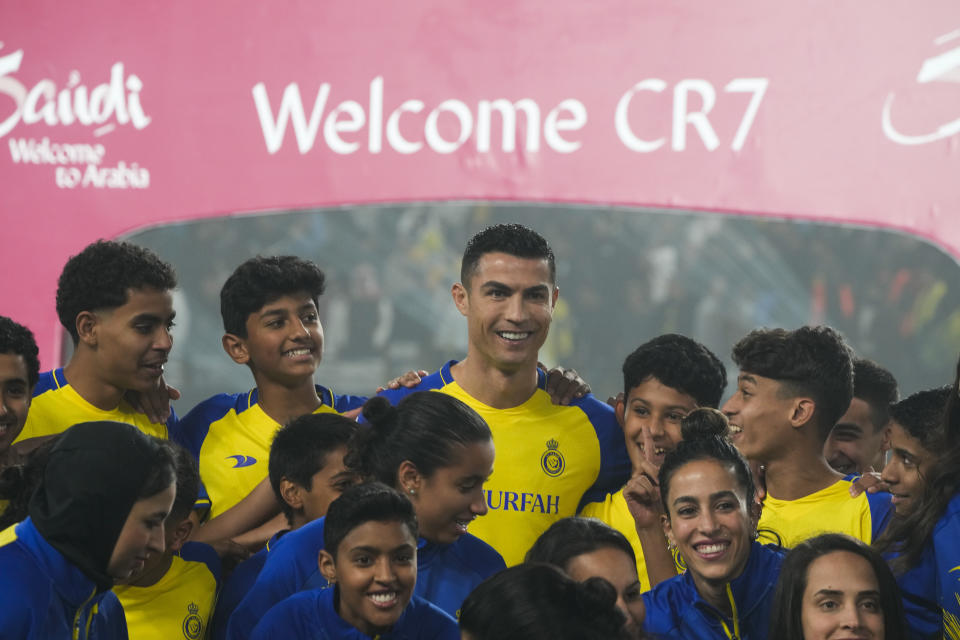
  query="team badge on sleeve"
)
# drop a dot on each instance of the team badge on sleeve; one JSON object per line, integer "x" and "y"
{"x": 193, "y": 623}
{"x": 552, "y": 461}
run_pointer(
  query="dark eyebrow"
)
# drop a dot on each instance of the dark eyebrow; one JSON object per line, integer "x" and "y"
{"x": 273, "y": 312}
{"x": 746, "y": 377}
{"x": 904, "y": 453}
{"x": 493, "y": 284}
{"x": 726, "y": 493}
{"x": 537, "y": 289}
{"x": 161, "y": 515}
{"x": 829, "y": 592}
{"x": 152, "y": 317}
{"x": 848, "y": 426}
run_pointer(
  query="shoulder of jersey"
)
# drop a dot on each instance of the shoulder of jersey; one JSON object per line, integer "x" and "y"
{"x": 478, "y": 555}
{"x": 46, "y": 382}
{"x": 431, "y": 382}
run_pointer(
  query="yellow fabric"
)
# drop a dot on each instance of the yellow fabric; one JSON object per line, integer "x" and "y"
{"x": 179, "y": 605}
{"x": 829, "y": 510}
{"x": 614, "y": 512}
{"x": 8, "y": 535}
{"x": 523, "y": 499}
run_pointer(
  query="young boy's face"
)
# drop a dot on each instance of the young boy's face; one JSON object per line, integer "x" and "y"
{"x": 284, "y": 339}
{"x": 375, "y": 569}
{"x": 134, "y": 340}
{"x": 651, "y": 416}
{"x": 908, "y": 466}
{"x": 327, "y": 485}
{"x": 759, "y": 413}
{"x": 14, "y": 397}
{"x": 854, "y": 443}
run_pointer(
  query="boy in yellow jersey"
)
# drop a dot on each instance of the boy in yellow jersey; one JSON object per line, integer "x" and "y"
{"x": 114, "y": 298}
{"x": 664, "y": 379}
{"x": 551, "y": 459}
{"x": 792, "y": 388}
{"x": 173, "y": 595}
{"x": 19, "y": 372}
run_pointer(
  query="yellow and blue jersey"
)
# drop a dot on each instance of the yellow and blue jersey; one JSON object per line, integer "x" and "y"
{"x": 56, "y": 406}
{"x": 180, "y": 604}
{"x": 830, "y": 510}
{"x": 550, "y": 461}
{"x": 230, "y": 435}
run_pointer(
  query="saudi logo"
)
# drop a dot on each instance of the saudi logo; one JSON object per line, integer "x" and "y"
{"x": 192, "y": 624}
{"x": 552, "y": 461}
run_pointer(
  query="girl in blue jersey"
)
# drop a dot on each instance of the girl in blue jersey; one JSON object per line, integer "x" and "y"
{"x": 438, "y": 452}
{"x": 369, "y": 559}
{"x": 835, "y": 586}
{"x": 710, "y": 516}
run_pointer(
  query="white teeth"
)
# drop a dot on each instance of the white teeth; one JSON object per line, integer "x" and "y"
{"x": 298, "y": 352}
{"x": 383, "y": 598}
{"x": 711, "y": 548}
{"x": 659, "y": 450}
{"x": 511, "y": 335}
{"x": 736, "y": 429}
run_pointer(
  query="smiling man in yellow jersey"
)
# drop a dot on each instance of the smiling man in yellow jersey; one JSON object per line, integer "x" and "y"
{"x": 550, "y": 459}
{"x": 114, "y": 298}
{"x": 792, "y": 388}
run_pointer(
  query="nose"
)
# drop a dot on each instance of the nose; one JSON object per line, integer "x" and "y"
{"x": 890, "y": 473}
{"x": 707, "y": 521}
{"x": 655, "y": 426}
{"x": 157, "y": 543}
{"x": 730, "y": 407}
{"x": 479, "y": 505}
{"x": 163, "y": 340}
{"x": 516, "y": 310}
{"x": 383, "y": 570}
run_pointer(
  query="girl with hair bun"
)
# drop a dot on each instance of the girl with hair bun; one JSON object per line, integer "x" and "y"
{"x": 438, "y": 452}
{"x": 710, "y": 517}
{"x": 538, "y": 602}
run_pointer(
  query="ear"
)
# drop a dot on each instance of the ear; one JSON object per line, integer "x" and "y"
{"x": 409, "y": 479}
{"x": 461, "y": 298}
{"x": 86, "y": 324}
{"x": 292, "y": 494}
{"x": 555, "y": 297}
{"x": 327, "y": 566}
{"x": 180, "y": 534}
{"x": 667, "y": 529}
{"x": 620, "y": 409}
{"x": 802, "y": 412}
{"x": 236, "y": 348}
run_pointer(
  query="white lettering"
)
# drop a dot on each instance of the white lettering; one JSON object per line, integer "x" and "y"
{"x": 332, "y": 126}
{"x": 375, "y": 143}
{"x": 508, "y": 115}
{"x": 682, "y": 117}
{"x": 394, "y": 137}
{"x": 621, "y": 117}
{"x": 432, "y": 130}
{"x": 553, "y": 125}
{"x": 291, "y": 108}
{"x": 756, "y": 86}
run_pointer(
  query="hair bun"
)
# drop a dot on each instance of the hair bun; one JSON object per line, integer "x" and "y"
{"x": 594, "y": 596}
{"x": 704, "y": 423}
{"x": 379, "y": 412}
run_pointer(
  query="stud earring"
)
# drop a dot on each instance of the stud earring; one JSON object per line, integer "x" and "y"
{"x": 413, "y": 491}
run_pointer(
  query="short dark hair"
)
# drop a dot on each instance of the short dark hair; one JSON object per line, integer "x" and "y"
{"x": 188, "y": 482}
{"x": 539, "y": 602}
{"x": 424, "y": 428}
{"x": 678, "y": 362}
{"x": 570, "y": 537}
{"x": 809, "y": 361}
{"x": 786, "y": 623}
{"x": 300, "y": 449}
{"x": 100, "y": 277}
{"x": 17, "y": 340}
{"x": 877, "y": 387}
{"x": 261, "y": 280}
{"x": 922, "y": 415}
{"x": 511, "y": 239}
{"x": 372, "y": 501}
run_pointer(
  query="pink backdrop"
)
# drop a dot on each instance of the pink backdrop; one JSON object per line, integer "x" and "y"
{"x": 123, "y": 115}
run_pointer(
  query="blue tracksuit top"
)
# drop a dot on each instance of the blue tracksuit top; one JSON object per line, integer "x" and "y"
{"x": 310, "y": 615}
{"x": 446, "y": 574}
{"x": 45, "y": 597}
{"x": 676, "y": 610}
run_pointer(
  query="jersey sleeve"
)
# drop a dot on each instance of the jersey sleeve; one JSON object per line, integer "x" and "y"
{"x": 881, "y": 511}
{"x": 200, "y": 552}
{"x": 192, "y": 429}
{"x": 290, "y": 619}
{"x": 614, "y": 461}
{"x": 947, "y": 557}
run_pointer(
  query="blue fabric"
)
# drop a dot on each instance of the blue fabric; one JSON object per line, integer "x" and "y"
{"x": 237, "y": 586}
{"x": 44, "y": 595}
{"x": 310, "y": 615}
{"x": 676, "y": 610}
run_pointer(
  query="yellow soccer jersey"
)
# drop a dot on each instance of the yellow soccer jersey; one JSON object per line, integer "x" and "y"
{"x": 614, "y": 511}
{"x": 829, "y": 510}
{"x": 56, "y": 406}
{"x": 230, "y": 435}
{"x": 180, "y": 604}
{"x": 549, "y": 460}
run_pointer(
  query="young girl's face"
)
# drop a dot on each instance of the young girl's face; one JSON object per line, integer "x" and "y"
{"x": 618, "y": 569}
{"x": 907, "y": 468}
{"x": 375, "y": 570}
{"x": 842, "y": 599}
{"x": 142, "y": 534}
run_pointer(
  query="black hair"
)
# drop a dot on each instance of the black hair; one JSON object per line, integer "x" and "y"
{"x": 17, "y": 340}
{"x": 809, "y": 361}
{"x": 162, "y": 470}
{"x": 512, "y": 239}
{"x": 371, "y": 501}
{"x": 300, "y": 450}
{"x": 261, "y": 280}
{"x": 539, "y": 602}
{"x": 921, "y": 415}
{"x": 18, "y": 482}
{"x": 786, "y": 622}
{"x": 678, "y": 362}
{"x": 188, "y": 482}
{"x": 705, "y": 438}
{"x": 425, "y": 428}
{"x": 570, "y": 537}
{"x": 101, "y": 276}
{"x": 877, "y": 387}
{"x": 909, "y": 535}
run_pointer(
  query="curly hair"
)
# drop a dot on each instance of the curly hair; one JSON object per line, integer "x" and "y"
{"x": 261, "y": 280}
{"x": 511, "y": 239}
{"x": 101, "y": 276}
{"x": 678, "y": 362}
{"x": 877, "y": 387}
{"x": 17, "y": 340}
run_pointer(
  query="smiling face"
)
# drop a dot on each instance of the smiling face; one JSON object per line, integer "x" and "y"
{"x": 710, "y": 522}
{"x": 375, "y": 570}
{"x": 618, "y": 569}
{"x": 759, "y": 414}
{"x": 132, "y": 341}
{"x": 651, "y": 417}
{"x": 854, "y": 442}
{"x": 142, "y": 534}
{"x": 909, "y": 464}
{"x": 14, "y": 397}
{"x": 508, "y": 303}
{"x": 447, "y": 501}
{"x": 842, "y": 599}
{"x": 284, "y": 341}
